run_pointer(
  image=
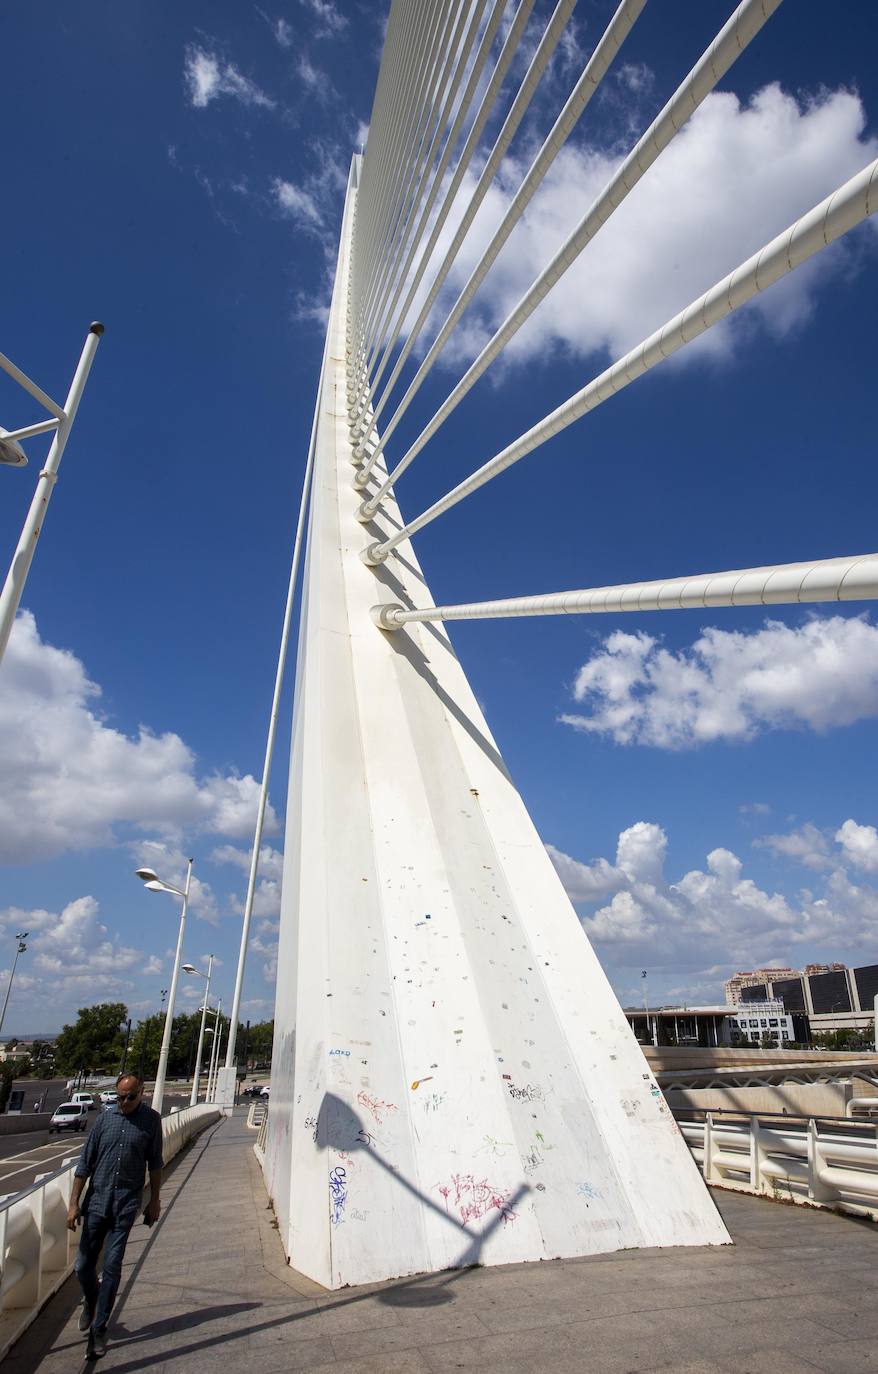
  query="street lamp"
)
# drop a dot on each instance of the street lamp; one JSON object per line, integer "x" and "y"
{"x": 11, "y": 453}
{"x": 20, "y": 948}
{"x": 190, "y": 968}
{"x": 216, "y": 1032}
{"x": 153, "y": 883}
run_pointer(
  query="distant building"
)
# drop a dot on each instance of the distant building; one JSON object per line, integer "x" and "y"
{"x": 832, "y": 996}
{"x": 756, "y": 978}
{"x": 751, "y": 1022}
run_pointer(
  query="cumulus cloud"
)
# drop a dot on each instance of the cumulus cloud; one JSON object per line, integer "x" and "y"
{"x": 207, "y": 77}
{"x": 708, "y": 922}
{"x": 70, "y": 781}
{"x": 266, "y": 898}
{"x": 74, "y": 958}
{"x": 730, "y": 685}
{"x": 807, "y": 845}
{"x": 859, "y": 845}
{"x": 736, "y": 175}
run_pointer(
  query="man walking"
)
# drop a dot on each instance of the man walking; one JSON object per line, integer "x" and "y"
{"x": 124, "y": 1143}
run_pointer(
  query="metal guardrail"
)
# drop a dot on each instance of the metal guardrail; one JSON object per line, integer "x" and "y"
{"x": 260, "y": 1124}
{"x": 36, "y": 1248}
{"x": 824, "y": 1161}
{"x": 259, "y": 1111}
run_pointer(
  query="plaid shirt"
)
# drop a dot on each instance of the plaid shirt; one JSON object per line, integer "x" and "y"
{"x": 115, "y": 1157}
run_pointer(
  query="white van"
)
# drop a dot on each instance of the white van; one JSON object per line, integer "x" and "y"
{"x": 70, "y": 1116}
{"x": 85, "y": 1099}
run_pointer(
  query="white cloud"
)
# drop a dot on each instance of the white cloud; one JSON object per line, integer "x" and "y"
{"x": 207, "y": 78}
{"x": 698, "y": 929}
{"x": 807, "y": 845}
{"x": 730, "y": 685}
{"x": 283, "y": 32}
{"x": 265, "y": 942}
{"x": 330, "y": 20}
{"x": 860, "y": 845}
{"x": 315, "y": 81}
{"x": 266, "y": 898}
{"x": 300, "y": 205}
{"x": 70, "y": 780}
{"x": 73, "y": 958}
{"x": 735, "y": 176}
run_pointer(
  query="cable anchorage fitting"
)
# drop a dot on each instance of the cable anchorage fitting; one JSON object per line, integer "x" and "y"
{"x": 384, "y": 616}
{"x": 373, "y": 555}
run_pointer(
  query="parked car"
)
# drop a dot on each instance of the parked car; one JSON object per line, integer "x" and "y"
{"x": 85, "y": 1099}
{"x": 263, "y": 1092}
{"x": 70, "y": 1116}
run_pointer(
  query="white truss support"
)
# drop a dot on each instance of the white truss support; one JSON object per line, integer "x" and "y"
{"x": 781, "y": 584}
{"x": 453, "y": 1079}
{"x": 847, "y": 207}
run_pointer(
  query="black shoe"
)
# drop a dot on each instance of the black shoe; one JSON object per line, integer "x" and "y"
{"x": 97, "y": 1345}
{"x": 85, "y": 1315}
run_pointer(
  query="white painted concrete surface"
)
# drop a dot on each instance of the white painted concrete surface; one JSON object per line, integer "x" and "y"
{"x": 453, "y": 1080}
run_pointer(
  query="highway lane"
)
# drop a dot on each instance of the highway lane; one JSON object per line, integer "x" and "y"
{"x": 26, "y": 1154}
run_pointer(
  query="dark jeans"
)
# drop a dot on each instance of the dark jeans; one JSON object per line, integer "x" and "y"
{"x": 111, "y": 1232}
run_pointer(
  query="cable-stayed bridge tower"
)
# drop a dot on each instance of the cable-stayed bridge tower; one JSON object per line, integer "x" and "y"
{"x": 453, "y": 1079}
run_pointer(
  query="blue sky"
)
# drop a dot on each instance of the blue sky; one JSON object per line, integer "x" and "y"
{"x": 179, "y": 173}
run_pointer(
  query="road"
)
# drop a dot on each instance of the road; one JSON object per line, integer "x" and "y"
{"x": 26, "y": 1154}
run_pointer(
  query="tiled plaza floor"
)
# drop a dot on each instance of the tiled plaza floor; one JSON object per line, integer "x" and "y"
{"x": 209, "y": 1291}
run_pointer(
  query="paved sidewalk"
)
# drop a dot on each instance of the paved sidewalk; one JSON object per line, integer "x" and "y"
{"x": 209, "y": 1290}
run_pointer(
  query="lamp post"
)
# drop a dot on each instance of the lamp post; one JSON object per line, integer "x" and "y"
{"x": 190, "y": 968}
{"x": 154, "y": 883}
{"x": 20, "y": 947}
{"x": 12, "y": 452}
{"x": 214, "y": 1050}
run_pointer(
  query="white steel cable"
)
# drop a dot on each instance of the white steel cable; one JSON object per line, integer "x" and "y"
{"x": 510, "y": 47}
{"x": 477, "y": 67}
{"x": 779, "y": 584}
{"x": 731, "y": 41}
{"x": 394, "y": 76}
{"x": 517, "y": 111}
{"x": 397, "y": 149}
{"x": 391, "y": 143}
{"x": 406, "y": 184}
{"x": 595, "y": 70}
{"x": 457, "y": 64}
{"x": 846, "y": 207}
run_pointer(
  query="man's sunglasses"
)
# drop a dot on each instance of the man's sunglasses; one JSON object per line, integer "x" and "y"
{"x": 127, "y": 1097}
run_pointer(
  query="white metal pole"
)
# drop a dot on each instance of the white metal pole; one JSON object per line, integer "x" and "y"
{"x": 159, "y": 1090}
{"x": 875, "y": 1026}
{"x": 10, "y": 597}
{"x": 211, "y": 1073}
{"x": 194, "y": 1097}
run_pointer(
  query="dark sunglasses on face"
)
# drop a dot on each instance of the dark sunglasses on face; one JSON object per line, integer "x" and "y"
{"x": 127, "y": 1097}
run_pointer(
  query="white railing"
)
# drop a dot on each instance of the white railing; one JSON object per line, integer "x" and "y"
{"x": 259, "y": 1111}
{"x": 259, "y": 1147}
{"x": 36, "y": 1248}
{"x": 821, "y": 1161}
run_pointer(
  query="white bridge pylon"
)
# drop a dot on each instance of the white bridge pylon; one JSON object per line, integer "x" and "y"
{"x": 453, "y": 1079}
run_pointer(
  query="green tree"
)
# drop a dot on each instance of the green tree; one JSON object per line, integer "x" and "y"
{"x": 94, "y": 1042}
{"x": 260, "y": 1042}
{"x": 10, "y": 1069}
